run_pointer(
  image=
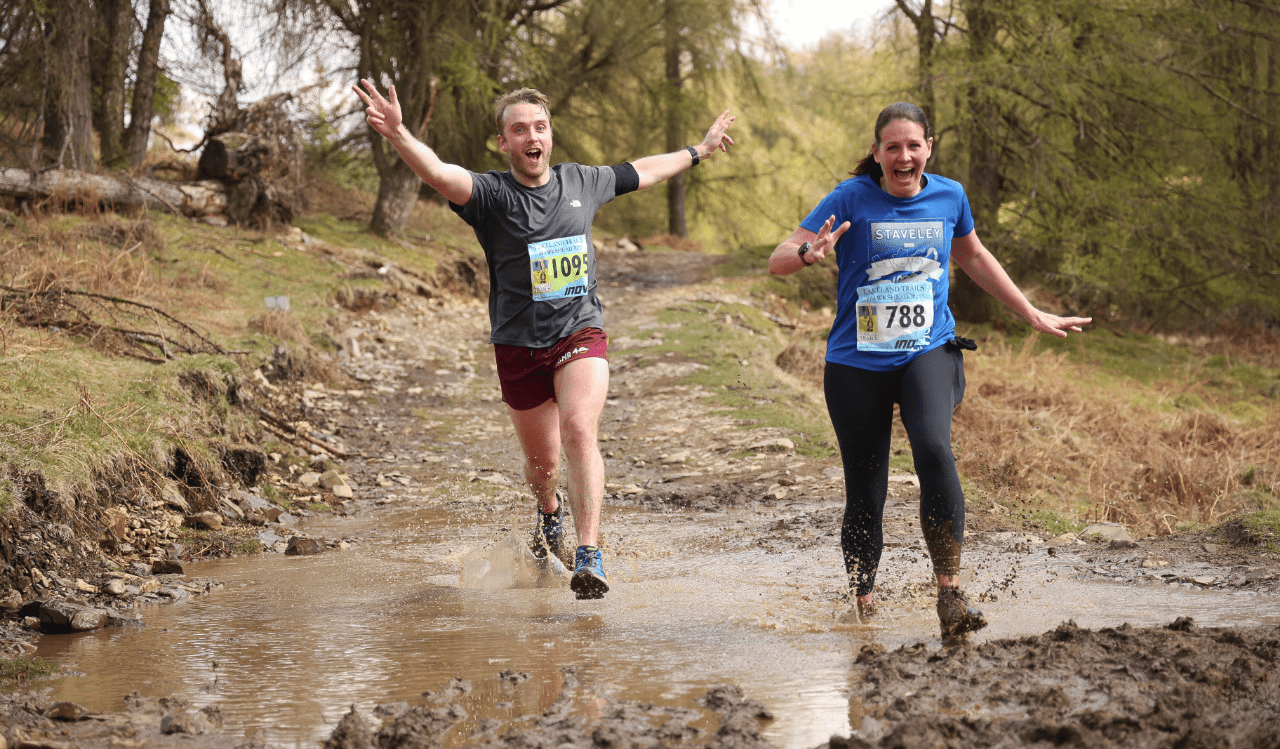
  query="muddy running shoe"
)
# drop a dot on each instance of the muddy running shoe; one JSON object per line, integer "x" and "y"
{"x": 956, "y": 616}
{"x": 548, "y": 532}
{"x": 588, "y": 574}
{"x": 866, "y": 609}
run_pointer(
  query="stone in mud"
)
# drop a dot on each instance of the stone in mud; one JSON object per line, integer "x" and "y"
{"x": 170, "y": 495}
{"x": 115, "y": 587}
{"x": 207, "y": 520}
{"x": 301, "y": 546}
{"x": 330, "y": 479}
{"x": 11, "y": 600}
{"x": 675, "y": 458}
{"x": 61, "y": 617}
{"x": 115, "y": 522}
{"x": 117, "y": 619}
{"x": 230, "y": 509}
{"x": 342, "y": 491}
{"x": 191, "y": 722}
{"x": 775, "y": 445}
{"x": 68, "y": 711}
{"x": 1108, "y": 531}
{"x": 166, "y": 567}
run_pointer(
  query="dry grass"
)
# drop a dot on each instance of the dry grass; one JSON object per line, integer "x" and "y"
{"x": 1040, "y": 432}
{"x": 110, "y": 256}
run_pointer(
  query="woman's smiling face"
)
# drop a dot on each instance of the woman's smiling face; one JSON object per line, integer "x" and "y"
{"x": 901, "y": 154}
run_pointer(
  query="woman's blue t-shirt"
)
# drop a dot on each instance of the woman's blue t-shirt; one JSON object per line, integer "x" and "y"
{"x": 894, "y": 269}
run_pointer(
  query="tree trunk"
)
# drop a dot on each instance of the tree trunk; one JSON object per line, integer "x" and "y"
{"x": 675, "y": 116}
{"x": 68, "y": 130}
{"x": 110, "y": 67}
{"x": 397, "y": 194}
{"x": 144, "y": 88}
{"x": 968, "y": 301}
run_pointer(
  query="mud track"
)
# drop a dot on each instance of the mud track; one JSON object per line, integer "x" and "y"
{"x": 432, "y": 422}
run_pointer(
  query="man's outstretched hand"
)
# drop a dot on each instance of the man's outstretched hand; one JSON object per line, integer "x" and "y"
{"x": 717, "y": 137}
{"x": 383, "y": 115}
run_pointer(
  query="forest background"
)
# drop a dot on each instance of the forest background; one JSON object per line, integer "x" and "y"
{"x": 1121, "y": 155}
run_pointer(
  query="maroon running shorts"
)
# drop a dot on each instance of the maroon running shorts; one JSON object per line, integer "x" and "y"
{"x": 528, "y": 374}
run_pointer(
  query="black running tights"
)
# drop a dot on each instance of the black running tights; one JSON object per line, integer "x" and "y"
{"x": 860, "y": 403}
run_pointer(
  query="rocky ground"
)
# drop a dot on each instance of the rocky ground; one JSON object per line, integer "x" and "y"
{"x": 424, "y": 409}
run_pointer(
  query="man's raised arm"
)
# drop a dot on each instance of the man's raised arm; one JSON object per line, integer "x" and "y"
{"x": 451, "y": 180}
{"x": 655, "y": 169}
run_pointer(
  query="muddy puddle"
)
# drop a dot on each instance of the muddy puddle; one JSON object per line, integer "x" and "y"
{"x": 288, "y": 645}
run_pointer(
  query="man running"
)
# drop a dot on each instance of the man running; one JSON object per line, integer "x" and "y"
{"x": 534, "y": 223}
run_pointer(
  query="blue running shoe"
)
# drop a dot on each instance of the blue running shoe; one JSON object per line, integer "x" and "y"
{"x": 588, "y": 574}
{"x": 548, "y": 533}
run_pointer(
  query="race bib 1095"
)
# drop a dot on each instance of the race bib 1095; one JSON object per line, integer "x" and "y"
{"x": 558, "y": 267}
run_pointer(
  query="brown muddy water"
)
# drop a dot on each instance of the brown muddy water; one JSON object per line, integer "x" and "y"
{"x": 289, "y": 644}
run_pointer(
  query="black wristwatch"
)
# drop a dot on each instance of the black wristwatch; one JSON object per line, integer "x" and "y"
{"x": 802, "y": 251}
{"x": 694, "y": 153}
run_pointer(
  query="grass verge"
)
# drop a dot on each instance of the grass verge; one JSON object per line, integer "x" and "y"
{"x": 18, "y": 671}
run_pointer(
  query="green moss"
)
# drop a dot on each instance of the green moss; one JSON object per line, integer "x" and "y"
{"x": 248, "y": 545}
{"x": 1266, "y": 524}
{"x": 19, "y": 670}
{"x": 1055, "y": 522}
{"x": 273, "y": 493}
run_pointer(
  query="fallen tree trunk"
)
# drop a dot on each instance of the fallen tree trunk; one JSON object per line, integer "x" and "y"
{"x": 112, "y": 189}
{"x": 206, "y": 198}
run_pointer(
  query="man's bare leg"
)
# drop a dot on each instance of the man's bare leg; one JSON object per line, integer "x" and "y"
{"x": 581, "y": 388}
{"x": 539, "y": 432}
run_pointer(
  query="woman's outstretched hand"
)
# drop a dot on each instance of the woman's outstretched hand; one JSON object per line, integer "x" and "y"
{"x": 1057, "y": 326}
{"x": 826, "y": 240}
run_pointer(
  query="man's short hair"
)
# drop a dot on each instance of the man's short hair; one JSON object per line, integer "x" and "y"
{"x": 519, "y": 96}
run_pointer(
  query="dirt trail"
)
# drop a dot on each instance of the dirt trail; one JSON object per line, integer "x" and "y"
{"x": 431, "y": 419}
{"x": 1155, "y": 686}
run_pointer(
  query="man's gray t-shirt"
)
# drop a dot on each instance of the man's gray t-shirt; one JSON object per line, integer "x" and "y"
{"x": 537, "y": 240}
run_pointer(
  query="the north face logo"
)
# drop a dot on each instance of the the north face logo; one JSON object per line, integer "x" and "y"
{"x": 575, "y": 203}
